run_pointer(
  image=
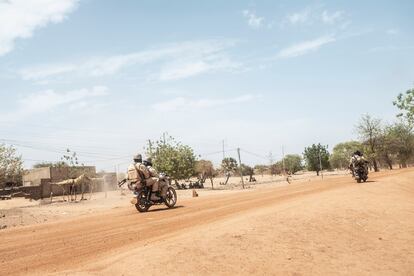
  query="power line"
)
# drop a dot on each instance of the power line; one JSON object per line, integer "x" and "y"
{"x": 102, "y": 157}
{"x": 217, "y": 152}
{"x": 254, "y": 154}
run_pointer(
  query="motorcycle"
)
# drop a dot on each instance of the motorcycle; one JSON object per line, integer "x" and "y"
{"x": 142, "y": 196}
{"x": 360, "y": 172}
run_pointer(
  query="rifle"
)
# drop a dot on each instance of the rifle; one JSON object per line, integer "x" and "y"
{"x": 122, "y": 182}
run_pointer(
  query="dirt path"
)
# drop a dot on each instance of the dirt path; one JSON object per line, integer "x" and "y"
{"x": 333, "y": 226}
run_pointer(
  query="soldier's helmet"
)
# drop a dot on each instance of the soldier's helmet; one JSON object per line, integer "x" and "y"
{"x": 138, "y": 158}
{"x": 148, "y": 162}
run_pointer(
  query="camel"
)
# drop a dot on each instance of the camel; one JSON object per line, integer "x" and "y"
{"x": 83, "y": 179}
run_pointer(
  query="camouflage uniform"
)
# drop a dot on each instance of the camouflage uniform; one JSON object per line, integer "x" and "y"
{"x": 161, "y": 184}
{"x": 357, "y": 160}
{"x": 138, "y": 170}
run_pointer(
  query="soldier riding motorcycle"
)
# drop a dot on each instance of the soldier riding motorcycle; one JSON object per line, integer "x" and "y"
{"x": 145, "y": 187}
{"x": 359, "y": 167}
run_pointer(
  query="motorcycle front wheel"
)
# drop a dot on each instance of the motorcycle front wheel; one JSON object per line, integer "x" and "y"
{"x": 142, "y": 205}
{"x": 171, "y": 198}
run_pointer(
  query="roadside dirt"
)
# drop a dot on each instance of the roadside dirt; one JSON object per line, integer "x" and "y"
{"x": 334, "y": 226}
{"x": 21, "y": 212}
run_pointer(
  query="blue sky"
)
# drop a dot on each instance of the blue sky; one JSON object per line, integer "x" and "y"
{"x": 103, "y": 77}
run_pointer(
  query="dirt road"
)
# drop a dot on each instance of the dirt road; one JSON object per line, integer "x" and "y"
{"x": 334, "y": 226}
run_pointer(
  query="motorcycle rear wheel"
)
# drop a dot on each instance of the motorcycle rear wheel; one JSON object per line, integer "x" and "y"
{"x": 141, "y": 206}
{"x": 171, "y": 198}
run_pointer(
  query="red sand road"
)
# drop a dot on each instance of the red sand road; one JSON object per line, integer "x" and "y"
{"x": 334, "y": 226}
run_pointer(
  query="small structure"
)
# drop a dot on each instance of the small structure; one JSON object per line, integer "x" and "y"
{"x": 36, "y": 177}
{"x": 44, "y": 182}
{"x": 38, "y": 182}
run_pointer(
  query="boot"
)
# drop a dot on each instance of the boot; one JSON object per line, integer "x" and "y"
{"x": 154, "y": 197}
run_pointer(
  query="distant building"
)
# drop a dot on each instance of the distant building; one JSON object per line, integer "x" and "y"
{"x": 35, "y": 177}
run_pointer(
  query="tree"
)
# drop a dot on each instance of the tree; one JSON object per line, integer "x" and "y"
{"x": 342, "y": 153}
{"x": 173, "y": 158}
{"x": 316, "y": 158}
{"x": 370, "y": 131}
{"x": 247, "y": 170}
{"x": 293, "y": 163}
{"x": 387, "y": 147}
{"x": 70, "y": 160}
{"x": 261, "y": 169}
{"x": 11, "y": 166}
{"x": 405, "y": 102}
{"x": 229, "y": 166}
{"x": 401, "y": 142}
{"x": 204, "y": 170}
{"x": 276, "y": 168}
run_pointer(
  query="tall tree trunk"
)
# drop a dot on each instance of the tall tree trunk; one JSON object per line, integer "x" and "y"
{"x": 211, "y": 180}
{"x": 203, "y": 178}
{"x": 388, "y": 161}
{"x": 227, "y": 179}
{"x": 375, "y": 165}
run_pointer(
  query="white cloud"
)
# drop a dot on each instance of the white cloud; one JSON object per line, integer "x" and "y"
{"x": 47, "y": 100}
{"x": 191, "y": 67}
{"x": 19, "y": 18}
{"x": 298, "y": 17}
{"x": 331, "y": 18}
{"x": 44, "y": 71}
{"x": 313, "y": 15}
{"x": 393, "y": 31}
{"x": 182, "y": 103}
{"x": 305, "y": 47}
{"x": 182, "y": 70}
{"x": 253, "y": 20}
{"x": 176, "y": 61}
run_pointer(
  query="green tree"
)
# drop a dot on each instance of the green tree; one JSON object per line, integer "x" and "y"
{"x": 261, "y": 169}
{"x": 276, "y": 168}
{"x": 204, "y": 170}
{"x": 293, "y": 163}
{"x": 71, "y": 161}
{"x": 370, "y": 132}
{"x": 387, "y": 148}
{"x": 342, "y": 153}
{"x": 11, "y": 166}
{"x": 228, "y": 166}
{"x": 405, "y": 102}
{"x": 247, "y": 170}
{"x": 173, "y": 158}
{"x": 401, "y": 142}
{"x": 316, "y": 158}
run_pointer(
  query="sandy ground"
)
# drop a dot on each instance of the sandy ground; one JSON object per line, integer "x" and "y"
{"x": 20, "y": 212}
{"x": 310, "y": 227}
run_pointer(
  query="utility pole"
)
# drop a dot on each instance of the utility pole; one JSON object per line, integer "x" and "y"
{"x": 283, "y": 159}
{"x": 240, "y": 168}
{"x": 320, "y": 163}
{"x": 163, "y": 138}
{"x": 150, "y": 146}
{"x": 117, "y": 172}
{"x": 270, "y": 164}
{"x": 224, "y": 155}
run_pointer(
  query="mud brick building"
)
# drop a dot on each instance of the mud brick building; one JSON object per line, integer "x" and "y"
{"x": 37, "y": 182}
{"x": 38, "y": 176}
